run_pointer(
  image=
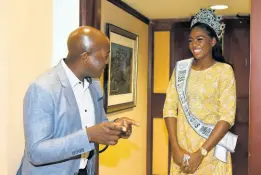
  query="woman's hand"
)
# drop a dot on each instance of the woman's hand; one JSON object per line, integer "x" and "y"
{"x": 178, "y": 155}
{"x": 194, "y": 162}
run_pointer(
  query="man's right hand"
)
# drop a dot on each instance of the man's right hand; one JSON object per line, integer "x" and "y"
{"x": 107, "y": 133}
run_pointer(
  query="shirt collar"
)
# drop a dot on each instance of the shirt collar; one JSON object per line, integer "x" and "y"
{"x": 72, "y": 78}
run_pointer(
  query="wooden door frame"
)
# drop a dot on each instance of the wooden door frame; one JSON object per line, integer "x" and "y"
{"x": 255, "y": 86}
{"x": 157, "y": 25}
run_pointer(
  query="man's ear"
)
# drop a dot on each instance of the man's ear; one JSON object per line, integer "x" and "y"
{"x": 84, "y": 58}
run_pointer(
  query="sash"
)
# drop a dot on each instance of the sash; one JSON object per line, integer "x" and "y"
{"x": 228, "y": 142}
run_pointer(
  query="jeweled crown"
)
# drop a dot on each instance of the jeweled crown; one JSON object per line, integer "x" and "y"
{"x": 208, "y": 16}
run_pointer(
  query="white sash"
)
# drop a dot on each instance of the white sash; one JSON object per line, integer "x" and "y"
{"x": 228, "y": 142}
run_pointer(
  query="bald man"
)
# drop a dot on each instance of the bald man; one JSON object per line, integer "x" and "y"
{"x": 63, "y": 111}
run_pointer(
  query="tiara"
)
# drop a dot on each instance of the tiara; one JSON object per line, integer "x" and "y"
{"x": 207, "y": 16}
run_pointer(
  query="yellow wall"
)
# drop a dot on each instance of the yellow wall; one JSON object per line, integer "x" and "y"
{"x": 161, "y": 61}
{"x": 26, "y": 40}
{"x": 161, "y": 80}
{"x": 129, "y": 156}
{"x": 160, "y": 147}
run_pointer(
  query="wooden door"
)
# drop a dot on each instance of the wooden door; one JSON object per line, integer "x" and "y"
{"x": 237, "y": 52}
{"x": 179, "y": 43}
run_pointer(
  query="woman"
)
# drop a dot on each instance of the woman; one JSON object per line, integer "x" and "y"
{"x": 211, "y": 97}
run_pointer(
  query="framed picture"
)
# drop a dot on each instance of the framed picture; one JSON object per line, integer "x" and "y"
{"x": 120, "y": 77}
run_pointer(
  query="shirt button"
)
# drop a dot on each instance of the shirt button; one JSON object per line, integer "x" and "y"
{"x": 85, "y": 110}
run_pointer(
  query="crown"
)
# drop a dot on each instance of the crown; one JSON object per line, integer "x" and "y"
{"x": 207, "y": 16}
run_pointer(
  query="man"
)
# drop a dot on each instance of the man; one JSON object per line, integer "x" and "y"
{"x": 63, "y": 111}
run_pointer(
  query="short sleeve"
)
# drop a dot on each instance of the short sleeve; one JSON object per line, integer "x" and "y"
{"x": 171, "y": 102}
{"x": 227, "y": 96}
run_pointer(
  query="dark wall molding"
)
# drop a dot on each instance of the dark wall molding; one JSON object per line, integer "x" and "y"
{"x": 130, "y": 10}
{"x": 166, "y": 24}
{"x": 149, "y": 150}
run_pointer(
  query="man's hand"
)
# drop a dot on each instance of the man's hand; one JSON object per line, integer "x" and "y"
{"x": 107, "y": 133}
{"x": 127, "y": 123}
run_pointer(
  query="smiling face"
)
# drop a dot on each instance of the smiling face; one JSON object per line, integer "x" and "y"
{"x": 200, "y": 43}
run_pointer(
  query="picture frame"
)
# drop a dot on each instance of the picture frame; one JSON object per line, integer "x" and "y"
{"x": 120, "y": 75}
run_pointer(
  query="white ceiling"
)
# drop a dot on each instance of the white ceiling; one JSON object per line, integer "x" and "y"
{"x": 156, "y": 9}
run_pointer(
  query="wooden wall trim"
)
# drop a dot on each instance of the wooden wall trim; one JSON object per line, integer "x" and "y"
{"x": 90, "y": 13}
{"x": 157, "y": 103}
{"x": 149, "y": 99}
{"x": 166, "y": 24}
{"x": 172, "y": 51}
{"x": 255, "y": 94}
{"x": 130, "y": 10}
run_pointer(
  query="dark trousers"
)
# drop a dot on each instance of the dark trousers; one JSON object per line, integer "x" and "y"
{"x": 82, "y": 172}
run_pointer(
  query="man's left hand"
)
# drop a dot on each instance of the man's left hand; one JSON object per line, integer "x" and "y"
{"x": 127, "y": 123}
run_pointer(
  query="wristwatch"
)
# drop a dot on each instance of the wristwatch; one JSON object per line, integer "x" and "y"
{"x": 204, "y": 152}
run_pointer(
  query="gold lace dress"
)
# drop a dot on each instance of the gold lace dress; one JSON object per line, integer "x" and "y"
{"x": 212, "y": 97}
